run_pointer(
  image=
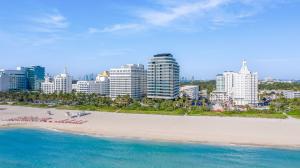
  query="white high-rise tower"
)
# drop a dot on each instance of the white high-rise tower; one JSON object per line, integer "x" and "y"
{"x": 245, "y": 87}
{"x": 63, "y": 82}
{"x": 241, "y": 87}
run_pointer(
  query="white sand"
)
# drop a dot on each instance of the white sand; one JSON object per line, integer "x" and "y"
{"x": 213, "y": 130}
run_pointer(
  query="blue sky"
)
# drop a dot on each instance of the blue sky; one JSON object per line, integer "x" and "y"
{"x": 207, "y": 37}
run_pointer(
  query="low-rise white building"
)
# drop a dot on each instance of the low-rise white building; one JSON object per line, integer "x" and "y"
{"x": 219, "y": 97}
{"x": 291, "y": 94}
{"x": 203, "y": 94}
{"x": 190, "y": 91}
{"x": 88, "y": 87}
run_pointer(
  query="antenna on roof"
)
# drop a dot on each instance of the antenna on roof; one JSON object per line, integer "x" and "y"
{"x": 65, "y": 70}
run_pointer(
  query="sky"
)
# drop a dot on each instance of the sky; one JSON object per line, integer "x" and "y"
{"x": 206, "y": 37}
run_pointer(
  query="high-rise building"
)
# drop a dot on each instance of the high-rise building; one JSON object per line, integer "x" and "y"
{"x": 220, "y": 83}
{"x": 129, "y": 80}
{"x": 48, "y": 85}
{"x": 103, "y": 81}
{"x": 229, "y": 82}
{"x": 4, "y": 82}
{"x": 163, "y": 77}
{"x": 63, "y": 83}
{"x": 245, "y": 87}
{"x": 35, "y": 76}
{"x": 241, "y": 87}
{"x": 17, "y": 79}
{"x": 25, "y": 78}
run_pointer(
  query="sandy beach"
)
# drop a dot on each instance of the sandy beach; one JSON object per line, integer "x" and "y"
{"x": 212, "y": 130}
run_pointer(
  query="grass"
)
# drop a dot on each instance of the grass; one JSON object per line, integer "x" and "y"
{"x": 158, "y": 112}
{"x": 242, "y": 114}
{"x": 31, "y": 105}
{"x": 295, "y": 113}
{"x": 250, "y": 114}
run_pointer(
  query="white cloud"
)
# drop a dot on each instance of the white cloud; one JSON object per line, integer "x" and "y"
{"x": 194, "y": 15}
{"x": 115, "y": 28}
{"x": 93, "y": 30}
{"x": 119, "y": 27}
{"x": 217, "y": 12}
{"x": 180, "y": 11}
{"x": 49, "y": 23}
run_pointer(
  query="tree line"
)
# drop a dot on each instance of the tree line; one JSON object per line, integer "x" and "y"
{"x": 92, "y": 101}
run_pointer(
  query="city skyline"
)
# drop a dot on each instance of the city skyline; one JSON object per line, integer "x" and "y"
{"x": 206, "y": 37}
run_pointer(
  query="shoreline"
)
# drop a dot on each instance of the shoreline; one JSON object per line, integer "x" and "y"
{"x": 153, "y": 140}
{"x": 217, "y": 131}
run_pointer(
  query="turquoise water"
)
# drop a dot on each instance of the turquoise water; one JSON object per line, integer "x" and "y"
{"x": 24, "y": 148}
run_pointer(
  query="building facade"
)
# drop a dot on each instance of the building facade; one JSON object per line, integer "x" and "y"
{"x": 129, "y": 80}
{"x": 103, "y": 80}
{"x": 163, "y": 77}
{"x": 241, "y": 87}
{"x": 35, "y": 76}
{"x": 220, "y": 83}
{"x": 88, "y": 87}
{"x": 219, "y": 97}
{"x": 190, "y": 91}
{"x": 17, "y": 79}
{"x": 25, "y": 78}
{"x": 4, "y": 82}
{"x": 289, "y": 94}
{"x": 245, "y": 87}
{"x": 48, "y": 85}
{"x": 63, "y": 83}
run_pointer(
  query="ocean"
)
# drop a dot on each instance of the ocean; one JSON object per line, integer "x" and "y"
{"x": 27, "y": 148}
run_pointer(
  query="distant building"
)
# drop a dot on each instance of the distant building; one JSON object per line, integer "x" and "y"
{"x": 74, "y": 86}
{"x": 48, "y": 85}
{"x": 220, "y": 83}
{"x": 163, "y": 77}
{"x": 203, "y": 94}
{"x": 103, "y": 80}
{"x": 25, "y": 78}
{"x": 17, "y": 79}
{"x": 129, "y": 80}
{"x": 219, "y": 97}
{"x": 288, "y": 94}
{"x": 63, "y": 83}
{"x": 241, "y": 87}
{"x": 35, "y": 76}
{"x": 89, "y": 77}
{"x": 4, "y": 82}
{"x": 190, "y": 91}
{"x": 88, "y": 87}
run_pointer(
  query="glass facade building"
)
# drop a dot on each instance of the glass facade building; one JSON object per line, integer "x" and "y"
{"x": 35, "y": 76}
{"x": 220, "y": 83}
{"x": 163, "y": 77}
{"x": 16, "y": 79}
